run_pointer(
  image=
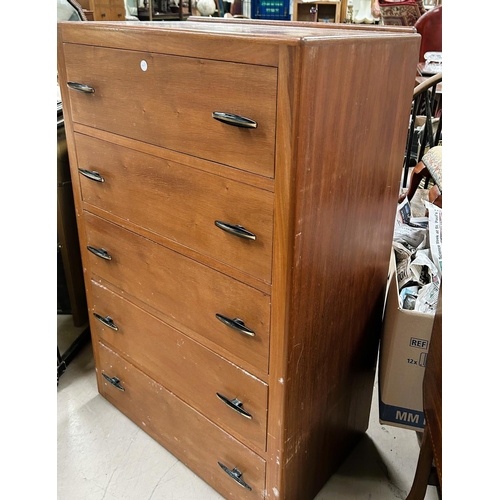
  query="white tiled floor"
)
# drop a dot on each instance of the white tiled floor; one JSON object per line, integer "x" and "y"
{"x": 102, "y": 455}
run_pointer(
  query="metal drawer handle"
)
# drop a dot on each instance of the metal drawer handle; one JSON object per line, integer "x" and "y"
{"x": 235, "y": 404}
{"x": 92, "y": 175}
{"x": 108, "y": 321}
{"x": 81, "y": 87}
{"x": 113, "y": 381}
{"x": 235, "y": 229}
{"x": 236, "y": 475}
{"x": 235, "y": 120}
{"x": 100, "y": 252}
{"x": 236, "y": 324}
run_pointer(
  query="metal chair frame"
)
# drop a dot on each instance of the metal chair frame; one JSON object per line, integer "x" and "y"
{"x": 427, "y": 103}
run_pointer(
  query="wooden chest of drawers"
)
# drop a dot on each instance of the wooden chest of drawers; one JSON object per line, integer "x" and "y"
{"x": 104, "y": 10}
{"x": 235, "y": 188}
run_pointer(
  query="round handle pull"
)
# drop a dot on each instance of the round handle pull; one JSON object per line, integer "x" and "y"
{"x": 107, "y": 321}
{"x": 100, "y": 252}
{"x": 234, "y": 120}
{"x": 91, "y": 174}
{"x": 235, "y": 230}
{"x": 236, "y": 324}
{"x": 236, "y": 405}
{"x": 235, "y": 474}
{"x": 80, "y": 87}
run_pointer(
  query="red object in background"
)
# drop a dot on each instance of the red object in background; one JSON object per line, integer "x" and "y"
{"x": 429, "y": 25}
{"x": 400, "y": 12}
{"x": 236, "y": 8}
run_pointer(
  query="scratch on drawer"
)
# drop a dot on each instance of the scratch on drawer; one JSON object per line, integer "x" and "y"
{"x": 246, "y": 373}
{"x": 298, "y": 360}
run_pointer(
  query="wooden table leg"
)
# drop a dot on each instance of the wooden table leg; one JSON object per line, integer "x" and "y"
{"x": 424, "y": 465}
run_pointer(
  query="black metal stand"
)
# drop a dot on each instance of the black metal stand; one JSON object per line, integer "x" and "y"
{"x": 63, "y": 360}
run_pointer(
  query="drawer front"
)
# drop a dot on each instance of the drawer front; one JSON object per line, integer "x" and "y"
{"x": 188, "y": 292}
{"x": 192, "y": 372}
{"x": 180, "y": 203}
{"x": 169, "y": 100}
{"x": 186, "y": 433}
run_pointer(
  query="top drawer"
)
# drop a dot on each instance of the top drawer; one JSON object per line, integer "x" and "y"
{"x": 168, "y": 101}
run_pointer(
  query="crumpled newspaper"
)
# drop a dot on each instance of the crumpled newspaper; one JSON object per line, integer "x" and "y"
{"x": 418, "y": 250}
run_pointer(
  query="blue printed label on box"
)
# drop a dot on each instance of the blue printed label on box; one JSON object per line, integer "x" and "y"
{"x": 404, "y": 416}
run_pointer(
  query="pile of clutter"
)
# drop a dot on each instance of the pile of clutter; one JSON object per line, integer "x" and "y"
{"x": 417, "y": 246}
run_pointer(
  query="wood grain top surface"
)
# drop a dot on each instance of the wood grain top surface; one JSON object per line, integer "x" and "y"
{"x": 279, "y": 32}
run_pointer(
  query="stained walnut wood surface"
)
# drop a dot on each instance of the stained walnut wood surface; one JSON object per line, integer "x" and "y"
{"x": 182, "y": 365}
{"x": 151, "y": 193}
{"x": 181, "y": 429}
{"x": 189, "y": 293}
{"x": 286, "y": 150}
{"x": 106, "y": 10}
{"x": 175, "y": 111}
{"x": 433, "y": 389}
{"x": 343, "y": 99}
{"x": 348, "y": 168}
{"x": 430, "y": 454}
{"x": 244, "y": 178}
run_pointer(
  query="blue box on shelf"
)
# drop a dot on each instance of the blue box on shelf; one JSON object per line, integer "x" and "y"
{"x": 271, "y": 9}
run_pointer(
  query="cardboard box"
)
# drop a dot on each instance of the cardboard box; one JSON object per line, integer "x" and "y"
{"x": 403, "y": 355}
